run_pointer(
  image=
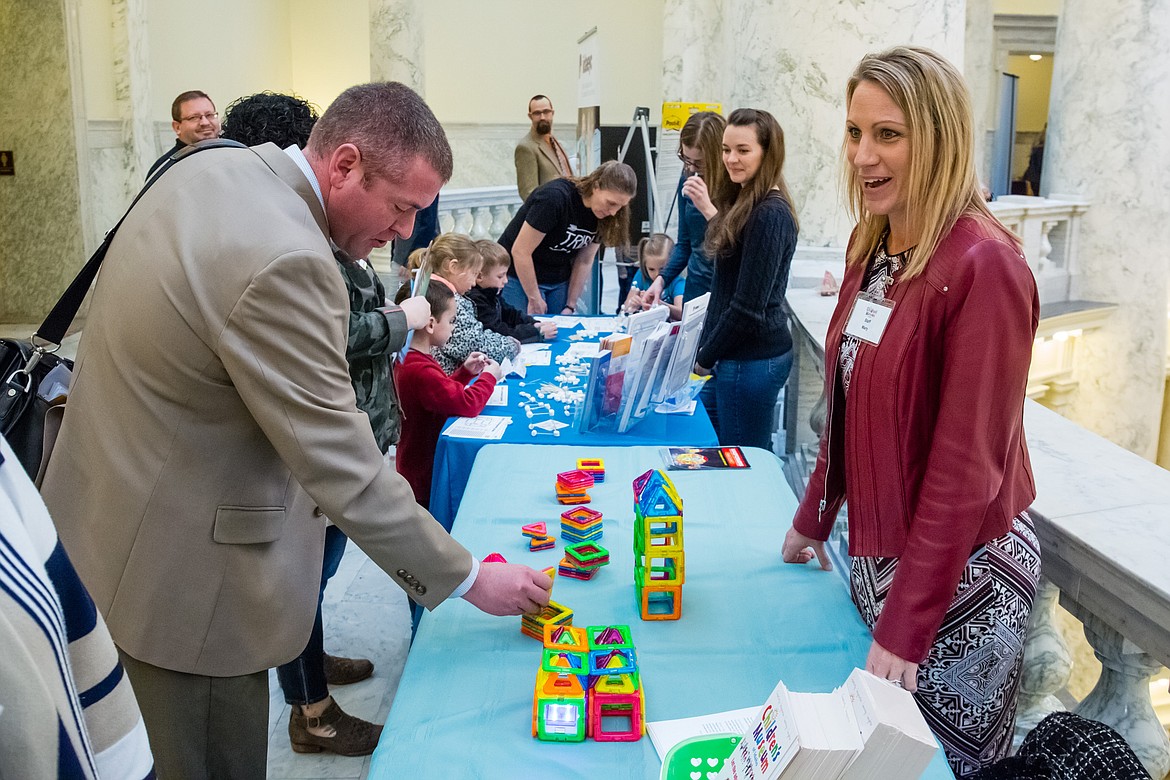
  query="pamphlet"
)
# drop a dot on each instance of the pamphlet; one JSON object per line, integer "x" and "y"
{"x": 702, "y": 458}
{"x": 485, "y": 426}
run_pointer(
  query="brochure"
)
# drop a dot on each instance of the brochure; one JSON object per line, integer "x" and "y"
{"x": 700, "y": 458}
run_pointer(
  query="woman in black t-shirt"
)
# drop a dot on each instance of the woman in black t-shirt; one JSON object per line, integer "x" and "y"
{"x": 554, "y": 237}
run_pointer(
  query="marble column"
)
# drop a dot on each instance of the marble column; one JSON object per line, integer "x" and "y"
{"x": 396, "y": 42}
{"x": 1108, "y": 124}
{"x": 132, "y": 92}
{"x": 1047, "y": 664}
{"x": 42, "y": 229}
{"x": 1121, "y": 698}
{"x": 692, "y": 51}
{"x": 981, "y": 74}
{"x": 793, "y": 59}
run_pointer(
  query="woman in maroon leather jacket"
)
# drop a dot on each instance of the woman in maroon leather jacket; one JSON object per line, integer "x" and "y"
{"x": 926, "y": 365}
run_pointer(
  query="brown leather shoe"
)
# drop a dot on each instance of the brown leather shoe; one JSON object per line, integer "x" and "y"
{"x": 349, "y": 736}
{"x": 343, "y": 671}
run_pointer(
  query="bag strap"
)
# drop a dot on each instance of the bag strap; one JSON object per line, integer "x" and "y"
{"x": 53, "y": 329}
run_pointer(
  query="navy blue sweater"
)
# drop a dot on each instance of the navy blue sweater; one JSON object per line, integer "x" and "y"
{"x": 745, "y": 317}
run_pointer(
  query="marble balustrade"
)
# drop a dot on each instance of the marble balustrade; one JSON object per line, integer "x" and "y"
{"x": 1101, "y": 515}
{"x": 1049, "y": 228}
{"x": 480, "y": 212}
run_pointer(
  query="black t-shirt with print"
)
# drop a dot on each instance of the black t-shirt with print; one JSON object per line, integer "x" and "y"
{"x": 557, "y": 210}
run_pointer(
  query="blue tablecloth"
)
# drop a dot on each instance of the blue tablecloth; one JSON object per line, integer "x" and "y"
{"x": 464, "y": 705}
{"x": 454, "y": 457}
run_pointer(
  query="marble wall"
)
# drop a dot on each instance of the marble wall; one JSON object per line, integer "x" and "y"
{"x": 41, "y": 233}
{"x": 396, "y": 42}
{"x": 1108, "y": 125}
{"x": 793, "y": 59}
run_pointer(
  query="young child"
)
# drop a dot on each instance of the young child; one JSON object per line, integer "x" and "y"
{"x": 452, "y": 259}
{"x": 653, "y": 253}
{"x": 428, "y": 396}
{"x": 490, "y": 307}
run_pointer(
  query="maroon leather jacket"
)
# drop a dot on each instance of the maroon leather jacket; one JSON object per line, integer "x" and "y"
{"x": 929, "y": 449}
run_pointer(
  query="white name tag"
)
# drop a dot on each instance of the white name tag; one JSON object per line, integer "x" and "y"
{"x": 869, "y": 318}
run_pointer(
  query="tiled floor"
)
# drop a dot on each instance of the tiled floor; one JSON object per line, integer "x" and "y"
{"x": 366, "y": 616}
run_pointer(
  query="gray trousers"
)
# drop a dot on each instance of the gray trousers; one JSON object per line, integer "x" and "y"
{"x": 202, "y": 728}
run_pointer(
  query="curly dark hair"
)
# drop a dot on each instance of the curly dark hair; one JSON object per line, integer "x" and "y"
{"x": 270, "y": 117}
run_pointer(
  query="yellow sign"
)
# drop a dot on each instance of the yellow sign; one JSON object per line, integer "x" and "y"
{"x": 675, "y": 115}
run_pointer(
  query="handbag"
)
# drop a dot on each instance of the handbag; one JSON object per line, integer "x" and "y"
{"x": 34, "y": 382}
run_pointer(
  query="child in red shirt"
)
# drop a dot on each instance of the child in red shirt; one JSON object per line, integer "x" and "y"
{"x": 428, "y": 396}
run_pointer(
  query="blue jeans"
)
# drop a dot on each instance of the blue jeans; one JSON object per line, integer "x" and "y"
{"x": 303, "y": 678}
{"x": 741, "y": 397}
{"x": 554, "y": 295}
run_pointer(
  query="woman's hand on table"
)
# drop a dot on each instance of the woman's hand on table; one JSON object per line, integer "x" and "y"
{"x": 537, "y": 305}
{"x": 548, "y": 329}
{"x": 884, "y": 664}
{"x": 509, "y": 589}
{"x": 799, "y": 548}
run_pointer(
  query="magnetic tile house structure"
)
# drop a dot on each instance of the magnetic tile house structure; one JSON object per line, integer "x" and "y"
{"x": 588, "y": 685}
{"x": 659, "y": 561}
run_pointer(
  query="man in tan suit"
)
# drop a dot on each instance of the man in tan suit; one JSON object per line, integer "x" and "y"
{"x": 212, "y": 425}
{"x": 539, "y": 156}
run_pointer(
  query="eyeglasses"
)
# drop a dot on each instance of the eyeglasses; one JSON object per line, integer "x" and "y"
{"x": 544, "y": 112}
{"x": 694, "y": 165}
{"x": 210, "y": 116}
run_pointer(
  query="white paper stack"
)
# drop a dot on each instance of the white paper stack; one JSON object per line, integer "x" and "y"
{"x": 867, "y": 729}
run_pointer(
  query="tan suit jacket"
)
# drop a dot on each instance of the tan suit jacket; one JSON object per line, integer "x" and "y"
{"x": 212, "y": 425}
{"x": 536, "y": 163}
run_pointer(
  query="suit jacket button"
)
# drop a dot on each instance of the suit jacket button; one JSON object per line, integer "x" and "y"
{"x": 420, "y": 589}
{"x": 401, "y": 573}
{"x": 317, "y": 512}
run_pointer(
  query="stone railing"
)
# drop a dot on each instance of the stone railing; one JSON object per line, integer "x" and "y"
{"x": 1049, "y": 228}
{"x": 1101, "y": 515}
{"x": 480, "y": 212}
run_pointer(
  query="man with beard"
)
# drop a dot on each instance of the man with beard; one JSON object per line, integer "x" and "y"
{"x": 539, "y": 156}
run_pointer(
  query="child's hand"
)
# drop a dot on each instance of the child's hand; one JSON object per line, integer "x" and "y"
{"x": 476, "y": 362}
{"x": 548, "y": 330}
{"x": 493, "y": 368}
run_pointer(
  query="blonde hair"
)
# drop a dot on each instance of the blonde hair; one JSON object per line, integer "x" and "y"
{"x": 455, "y": 249}
{"x": 494, "y": 255}
{"x": 657, "y": 245}
{"x": 735, "y": 202}
{"x": 942, "y": 185}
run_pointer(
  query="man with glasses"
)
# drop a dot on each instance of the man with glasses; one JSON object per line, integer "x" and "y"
{"x": 193, "y": 118}
{"x": 539, "y": 156}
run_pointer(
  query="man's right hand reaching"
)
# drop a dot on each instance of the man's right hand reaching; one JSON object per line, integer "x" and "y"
{"x": 509, "y": 589}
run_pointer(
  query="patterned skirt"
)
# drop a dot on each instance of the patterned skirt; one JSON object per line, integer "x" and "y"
{"x": 968, "y": 684}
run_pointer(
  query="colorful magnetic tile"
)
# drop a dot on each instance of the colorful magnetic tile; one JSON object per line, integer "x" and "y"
{"x": 588, "y": 554}
{"x": 564, "y": 637}
{"x": 534, "y": 529}
{"x": 495, "y": 558}
{"x": 660, "y": 602}
{"x": 575, "y": 480}
{"x": 626, "y": 708}
{"x": 541, "y": 543}
{"x": 609, "y": 636}
{"x": 581, "y": 515}
{"x": 559, "y": 709}
{"x": 574, "y": 499}
{"x": 618, "y": 660}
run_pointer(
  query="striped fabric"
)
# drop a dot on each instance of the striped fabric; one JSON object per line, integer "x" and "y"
{"x": 66, "y": 708}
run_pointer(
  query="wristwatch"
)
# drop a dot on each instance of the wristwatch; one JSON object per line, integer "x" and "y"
{"x": 572, "y": 309}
